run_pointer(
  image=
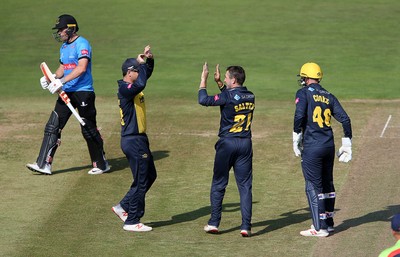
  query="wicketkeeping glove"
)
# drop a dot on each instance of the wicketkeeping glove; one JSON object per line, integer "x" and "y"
{"x": 344, "y": 152}
{"x": 55, "y": 86}
{"x": 297, "y": 143}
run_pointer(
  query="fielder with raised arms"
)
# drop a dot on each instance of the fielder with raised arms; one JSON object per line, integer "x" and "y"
{"x": 134, "y": 140}
{"x": 74, "y": 76}
{"x": 313, "y": 141}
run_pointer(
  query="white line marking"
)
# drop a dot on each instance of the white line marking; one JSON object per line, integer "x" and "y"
{"x": 387, "y": 123}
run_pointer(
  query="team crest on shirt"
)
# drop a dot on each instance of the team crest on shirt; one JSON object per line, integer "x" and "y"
{"x": 216, "y": 97}
{"x": 236, "y": 97}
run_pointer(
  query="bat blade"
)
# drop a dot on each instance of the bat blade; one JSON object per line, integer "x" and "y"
{"x": 47, "y": 72}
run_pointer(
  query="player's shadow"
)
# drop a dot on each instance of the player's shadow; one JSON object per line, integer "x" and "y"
{"x": 286, "y": 219}
{"x": 194, "y": 215}
{"x": 381, "y": 215}
{"x": 117, "y": 164}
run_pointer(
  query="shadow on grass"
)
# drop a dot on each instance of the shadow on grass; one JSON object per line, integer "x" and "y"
{"x": 117, "y": 164}
{"x": 194, "y": 215}
{"x": 288, "y": 219}
{"x": 381, "y": 215}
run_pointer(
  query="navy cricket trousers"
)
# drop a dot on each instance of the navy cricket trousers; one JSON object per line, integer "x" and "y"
{"x": 136, "y": 148}
{"x": 317, "y": 165}
{"x": 236, "y": 153}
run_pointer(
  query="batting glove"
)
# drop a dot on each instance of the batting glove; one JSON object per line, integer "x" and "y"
{"x": 297, "y": 143}
{"x": 44, "y": 83}
{"x": 55, "y": 86}
{"x": 344, "y": 152}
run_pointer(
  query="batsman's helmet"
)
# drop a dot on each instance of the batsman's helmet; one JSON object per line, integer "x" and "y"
{"x": 66, "y": 21}
{"x": 311, "y": 70}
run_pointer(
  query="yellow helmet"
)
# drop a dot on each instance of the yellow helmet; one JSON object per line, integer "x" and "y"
{"x": 311, "y": 70}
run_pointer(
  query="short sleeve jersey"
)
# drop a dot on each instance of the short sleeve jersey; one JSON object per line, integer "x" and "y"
{"x": 70, "y": 54}
{"x": 393, "y": 251}
{"x": 314, "y": 108}
{"x": 236, "y": 107}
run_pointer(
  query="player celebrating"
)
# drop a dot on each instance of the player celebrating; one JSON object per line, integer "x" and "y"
{"x": 313, "y": 141}
{"x": 74, "y": 76}
{"x": 134, "y": 141}
{"x": 234, "y": 147}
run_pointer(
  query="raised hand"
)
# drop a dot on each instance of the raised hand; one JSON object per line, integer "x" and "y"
{"x": 147, "y": 52}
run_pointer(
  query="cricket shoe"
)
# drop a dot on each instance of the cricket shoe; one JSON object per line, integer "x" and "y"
{"x": 97, "y": 171}
{"x": 211, "y": 229}
{"x": 34, "y": 167}
{"x": 313, "y": 232}
{"x": 245, "y": 233}
{"x": 120, "y": 212}
{"x": 140, "y": 227}
{"x": 330, "y": 228}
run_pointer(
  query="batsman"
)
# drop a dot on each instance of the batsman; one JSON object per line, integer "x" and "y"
{"x": 74, "y": 76}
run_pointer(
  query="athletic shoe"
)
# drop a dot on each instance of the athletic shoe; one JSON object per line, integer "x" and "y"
{"x": 34, "y": 167}
{"x": 211, "y": 229}
{"x": 97, "y": 171}
{"x": 313, "y": 232}
{"x": 140, "y": 227}
{"x": 245, "y": 233}
{"x": 120, "y": 212}
{"x": 330, "y": 228}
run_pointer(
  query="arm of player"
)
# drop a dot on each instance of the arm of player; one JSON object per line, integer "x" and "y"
{"x": 217, "y": 78}
{"x": 204, "y": 77}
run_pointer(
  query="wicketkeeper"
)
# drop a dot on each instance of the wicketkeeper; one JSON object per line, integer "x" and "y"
{"x": 313, "y": 141}
{"x": 74, "y": 76}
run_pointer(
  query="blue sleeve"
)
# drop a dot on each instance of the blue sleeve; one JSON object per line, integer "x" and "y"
{"x": 216, "y": 100}
{"x": 138, "y": 86}
{"x": 300, "y": 115}
{"x": 84, "y": 49}
{"x": 341, "y": 116}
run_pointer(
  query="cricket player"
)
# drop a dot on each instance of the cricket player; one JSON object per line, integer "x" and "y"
{"x": 134, "y": 141}
{"x": 313, "y": 141}
{"x": 74, "y": 76}
{"x": 234, "y": 147}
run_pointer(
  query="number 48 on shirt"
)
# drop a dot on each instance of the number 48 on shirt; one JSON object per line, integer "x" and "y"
{"x": 322, "y": 119}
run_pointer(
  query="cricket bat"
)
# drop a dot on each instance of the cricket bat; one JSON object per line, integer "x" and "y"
{"x": 49, "y": 76}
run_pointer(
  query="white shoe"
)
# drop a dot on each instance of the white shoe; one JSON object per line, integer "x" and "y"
{"x": 34, "y": 167}
{"x": 121, "y": 213}
{"x": 313, "y": 232}
{"x": 245, "y": 233}
{"x": 330, "y": 228}
{"x": 211, "y": 229}
{"x": 140, "y": 227}
{"x": 97, "y": 171}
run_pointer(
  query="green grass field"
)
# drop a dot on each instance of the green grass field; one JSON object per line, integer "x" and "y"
{"x": 69, "y": 213}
